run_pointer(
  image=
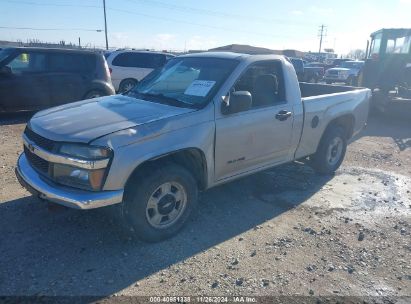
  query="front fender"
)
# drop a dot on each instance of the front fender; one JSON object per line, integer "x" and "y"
{"x": 127, "y": 158}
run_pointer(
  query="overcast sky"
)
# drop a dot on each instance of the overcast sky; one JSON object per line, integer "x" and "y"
{"x": 194, "y": 24}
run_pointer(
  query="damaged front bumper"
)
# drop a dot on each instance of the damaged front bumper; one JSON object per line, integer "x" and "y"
{"x": 66, "y": 196}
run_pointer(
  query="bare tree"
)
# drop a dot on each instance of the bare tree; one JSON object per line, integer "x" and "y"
{"x": 357, "y": 54}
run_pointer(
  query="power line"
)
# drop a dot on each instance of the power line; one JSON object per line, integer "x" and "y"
{"x": 202, "y": 11}
{"x": 51, "y": 4}
{"x": 193, "y": 23}
{"x": 170, "y": 6}
{"x": 50, "y": 29}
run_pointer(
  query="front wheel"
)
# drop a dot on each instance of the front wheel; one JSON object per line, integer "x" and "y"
{"x": 331, "y": 151}
{"x": 159, "y": 202}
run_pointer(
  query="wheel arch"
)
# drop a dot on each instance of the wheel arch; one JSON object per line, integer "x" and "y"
{"x": 346, "y": 121}
{"x": 192, "y": 159}
{"x": 101, "y": 86}
{"x": 126, "y": 79}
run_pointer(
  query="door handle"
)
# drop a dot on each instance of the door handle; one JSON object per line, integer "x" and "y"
{"x": 283, "y": 115}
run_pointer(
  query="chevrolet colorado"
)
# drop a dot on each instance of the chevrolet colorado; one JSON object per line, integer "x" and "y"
{"x": 200, "y": 121}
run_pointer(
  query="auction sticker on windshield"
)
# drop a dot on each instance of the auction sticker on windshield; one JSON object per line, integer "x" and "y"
{"x": 199, "y": 88}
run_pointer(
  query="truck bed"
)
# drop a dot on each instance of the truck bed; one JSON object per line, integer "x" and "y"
{"x": 316, "y": 89}
{"x": 321, "y": 103}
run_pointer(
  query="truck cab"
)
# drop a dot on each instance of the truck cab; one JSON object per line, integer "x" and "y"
{"x": 388, "y": 62}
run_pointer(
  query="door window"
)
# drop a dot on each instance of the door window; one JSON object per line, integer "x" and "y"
{"x": 375, "y": 45}
{"x": 71, "y": 63}
{"x": 398, "y": 45}
{"x": 155, "y": 61}
{"x": 28, "y": 63}
{"x": 139, "y": 60}
{"x": 265, "y": 82}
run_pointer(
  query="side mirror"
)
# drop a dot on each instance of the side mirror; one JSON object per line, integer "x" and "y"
{"x": 6, "y": 70}
{"x": 237, "y": 102}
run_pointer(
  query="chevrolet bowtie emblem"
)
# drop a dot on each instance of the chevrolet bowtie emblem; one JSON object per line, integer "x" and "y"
{"x": 31, "y": 148}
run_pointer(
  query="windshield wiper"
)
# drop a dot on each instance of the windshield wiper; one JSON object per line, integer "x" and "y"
{"x": 161, "y": 98}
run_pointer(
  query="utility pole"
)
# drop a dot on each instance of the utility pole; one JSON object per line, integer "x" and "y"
{"x": 79, "y": 43}
{"x": 322, "y": 35}
{"x": 105, "y": 22}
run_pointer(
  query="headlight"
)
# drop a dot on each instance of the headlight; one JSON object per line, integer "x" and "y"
{"x": 87, "y": 179}
{"x": 84, "y": 151}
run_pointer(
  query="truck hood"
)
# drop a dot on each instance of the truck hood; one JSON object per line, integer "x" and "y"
{"x": 87, "y": 120}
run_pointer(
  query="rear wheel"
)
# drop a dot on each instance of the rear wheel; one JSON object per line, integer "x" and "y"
{"x": 126, "y": 85}
{"x": 380, "y": 100}
{"x": 360, "y": 79}
{"x": 313, "y": 79}
{"x": 355, "y": 82}
{"x": 350, "y": 81}
{"x": 158, "y": 204}
{"x": 331, "y": 151}
{"x": 93, "y": 94}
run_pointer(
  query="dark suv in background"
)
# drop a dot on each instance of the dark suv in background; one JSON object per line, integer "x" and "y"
{"x": 38, "y": 78}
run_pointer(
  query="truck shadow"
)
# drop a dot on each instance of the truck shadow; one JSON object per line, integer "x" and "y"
{"x": 15, "y": 118}
{"x": 87, "y": 253}
{"x": 390, "y": 126}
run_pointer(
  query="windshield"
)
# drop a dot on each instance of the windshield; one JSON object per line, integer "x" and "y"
{"x": 186, "y": 81}
{"x": 375, "y": 46}
{"x": 314, "y": 65}
{"x": 352, "y": 64}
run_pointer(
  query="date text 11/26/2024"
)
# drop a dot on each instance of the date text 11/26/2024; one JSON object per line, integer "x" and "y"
{"x": 203, "y": 299}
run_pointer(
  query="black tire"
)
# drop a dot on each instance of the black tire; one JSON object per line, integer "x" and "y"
{"x": 380, "y": 101}
{"x": 143, "y": 187}
{"x": 312, "y": 79}
{"x": 360, "y": 79}
{"x": 94, "y": 94}
{"x": 350, "y": 81}
{"x": 355, "y": 81}
{"x": 321, "y": 160}
{"x": 126, "y": 85}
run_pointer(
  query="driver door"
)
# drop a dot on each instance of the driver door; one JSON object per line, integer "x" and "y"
{"x": 256, "y": 138}
{"x": 26, "y": 87}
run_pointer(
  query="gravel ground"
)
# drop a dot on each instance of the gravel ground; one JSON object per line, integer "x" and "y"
{"x": 285, "y": 231}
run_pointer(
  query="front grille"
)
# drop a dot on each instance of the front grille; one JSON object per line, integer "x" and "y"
{"x": 38, "y": 163}
{"x": 40, "y": 141}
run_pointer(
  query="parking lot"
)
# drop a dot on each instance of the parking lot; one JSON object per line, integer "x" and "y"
{"x": 285, "y": 231}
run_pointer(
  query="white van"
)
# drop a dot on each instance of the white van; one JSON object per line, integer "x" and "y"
{"x": 128, "y": 67}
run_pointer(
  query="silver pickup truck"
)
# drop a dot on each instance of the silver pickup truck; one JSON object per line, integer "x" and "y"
{"x": 202, "y": 120}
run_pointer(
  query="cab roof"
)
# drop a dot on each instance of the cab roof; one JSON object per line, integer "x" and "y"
{"x": 395, "y": 31}
{"x": 235, "y": 56}
{"x": 51, "y": 50}
{"x": 222, "y": 55}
